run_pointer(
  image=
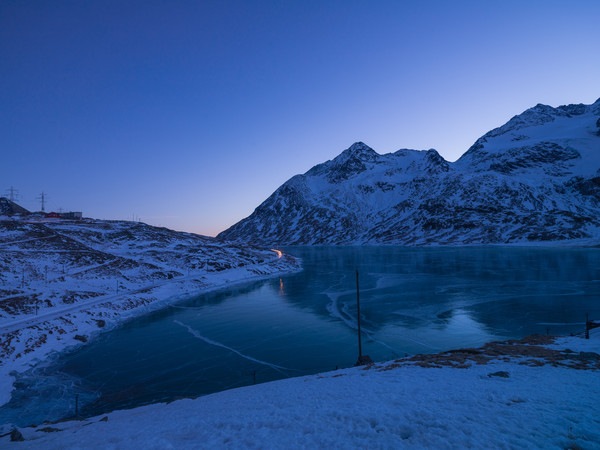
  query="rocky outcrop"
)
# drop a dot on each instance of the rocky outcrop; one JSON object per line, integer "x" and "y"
{"x": 8, "y": 207}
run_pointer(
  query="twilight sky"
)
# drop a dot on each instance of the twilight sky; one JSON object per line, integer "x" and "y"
{"x": 190, "y": 114}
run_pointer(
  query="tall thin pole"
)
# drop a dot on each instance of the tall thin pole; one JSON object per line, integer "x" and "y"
{"x": 42, "y": 197}
{"x": 587, "y": 325}
{"x": 358, "y": 318}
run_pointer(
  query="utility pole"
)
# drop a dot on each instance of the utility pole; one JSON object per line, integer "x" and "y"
{"x": 587, "y": 326}
{"x": 363, "y": 360}
{"x": 43, "y": 199}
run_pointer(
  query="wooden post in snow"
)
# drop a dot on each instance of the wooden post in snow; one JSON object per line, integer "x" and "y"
{"x": 587, "y": 325}
{"x": 362, "y": 359}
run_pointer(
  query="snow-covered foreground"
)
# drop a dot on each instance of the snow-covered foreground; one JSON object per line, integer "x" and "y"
{"x": 535, "y": 393}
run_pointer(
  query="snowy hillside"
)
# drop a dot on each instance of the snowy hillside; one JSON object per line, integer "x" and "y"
{"x": 535, "y": 179}
{"x": 62, "y": 281}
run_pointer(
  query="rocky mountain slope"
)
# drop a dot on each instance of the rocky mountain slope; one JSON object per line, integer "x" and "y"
{"x": 9, "y": 207}
{"x": 534, "y": 179}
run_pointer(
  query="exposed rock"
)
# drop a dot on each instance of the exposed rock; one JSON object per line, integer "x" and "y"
{"x": 589, "y": 355}
{"x": 8, "y": 207}
{"x": 364, "y": 360}
{"x": 16, "y": 436}
{"x": 500, "y": 374}
{"x": 48, "y": 429}
{"x": 530, "y": 351}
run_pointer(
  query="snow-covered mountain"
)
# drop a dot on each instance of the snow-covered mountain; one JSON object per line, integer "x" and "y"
{"x": 534, "y": 179}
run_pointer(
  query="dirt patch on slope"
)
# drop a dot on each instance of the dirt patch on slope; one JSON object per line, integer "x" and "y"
{"x": 529, "y": 351}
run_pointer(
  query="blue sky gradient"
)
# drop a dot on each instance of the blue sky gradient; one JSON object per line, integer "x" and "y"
{"x": 189, "y": 114}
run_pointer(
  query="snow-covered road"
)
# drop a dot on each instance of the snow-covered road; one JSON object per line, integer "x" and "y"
{"x": 11, "y": 325}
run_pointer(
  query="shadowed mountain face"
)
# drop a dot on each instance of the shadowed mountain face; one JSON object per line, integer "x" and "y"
{"x": 8, "y": 207}
{"x": 535, "y": 179}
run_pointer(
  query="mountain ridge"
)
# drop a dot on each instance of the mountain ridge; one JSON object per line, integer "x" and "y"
{"x": 534, "y": 179}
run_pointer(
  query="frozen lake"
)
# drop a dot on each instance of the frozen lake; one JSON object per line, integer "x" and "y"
{"x": 413, "y": 300}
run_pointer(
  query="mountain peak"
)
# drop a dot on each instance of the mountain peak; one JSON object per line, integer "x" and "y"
{"x": 348, "y": 163}
{"x": 359, "y": 150}
{"x": 359, "y": 146}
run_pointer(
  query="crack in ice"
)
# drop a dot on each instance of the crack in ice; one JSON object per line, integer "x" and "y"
{"x": 218, "y": 344}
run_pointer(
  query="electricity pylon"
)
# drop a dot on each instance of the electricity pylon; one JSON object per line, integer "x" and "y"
{"x": 12, "y": 194}
{"x": 43, "y": 199}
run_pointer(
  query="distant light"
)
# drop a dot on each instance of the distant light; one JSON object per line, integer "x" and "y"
{"x": 279, "y": 252}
